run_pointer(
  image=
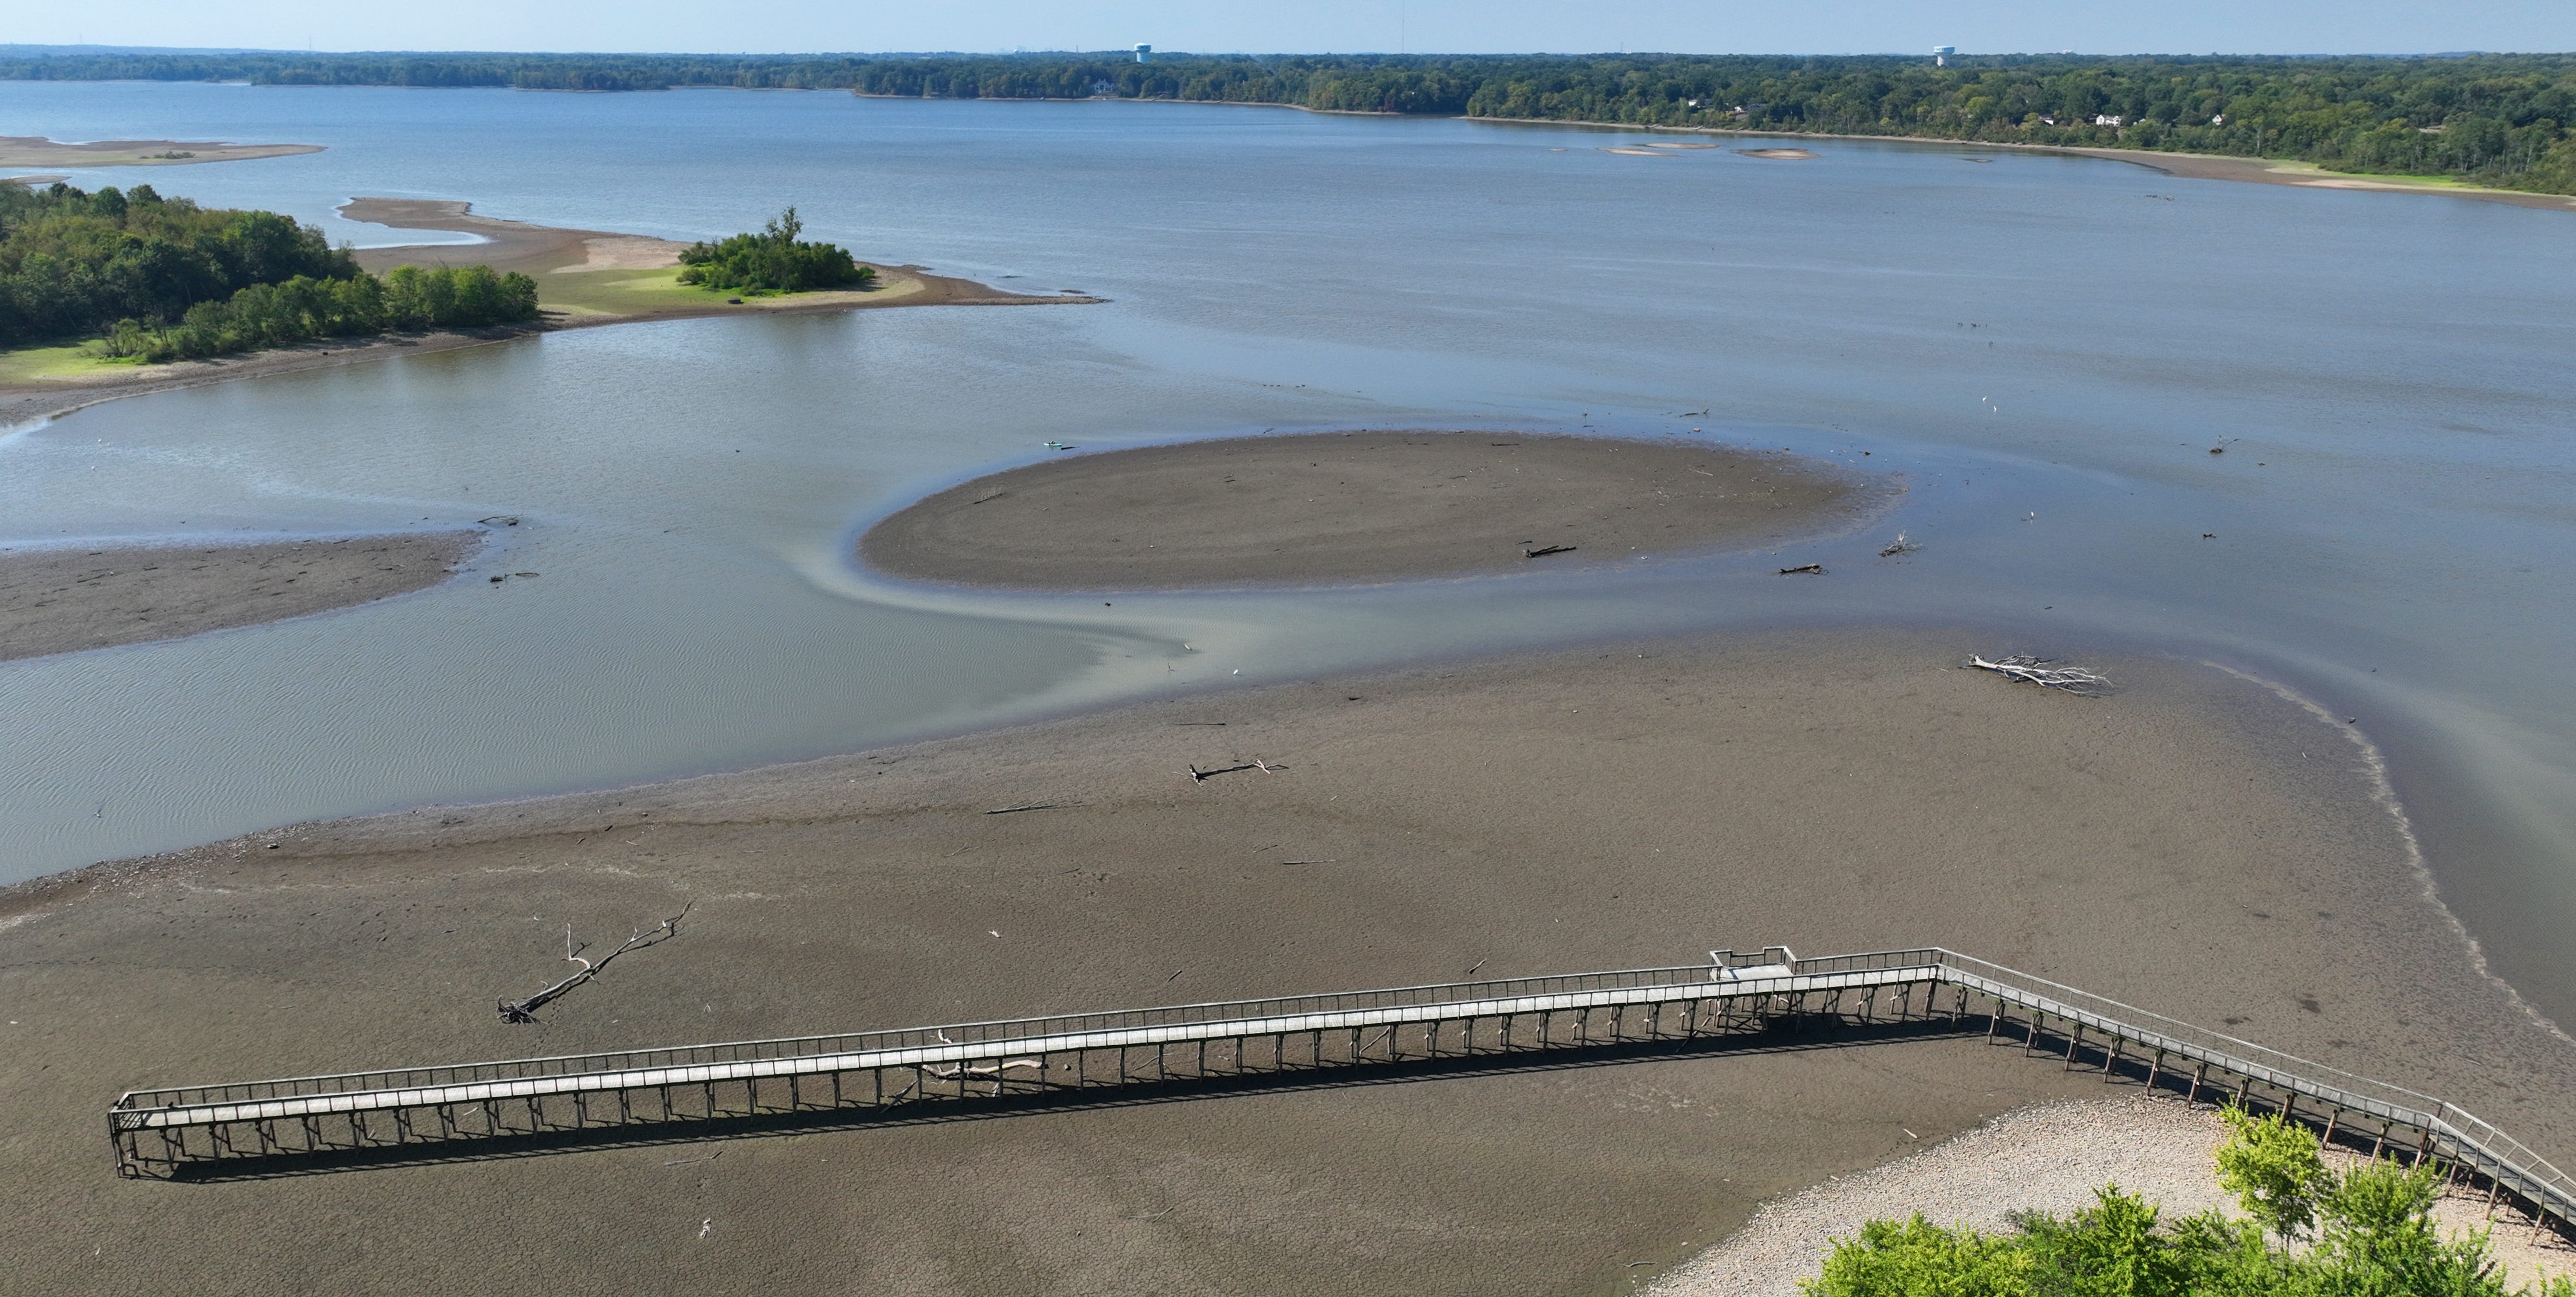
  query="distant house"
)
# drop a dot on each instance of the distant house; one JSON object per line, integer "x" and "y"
{"x": 2108, "y": 120}
{"x": 2219, "y": 120}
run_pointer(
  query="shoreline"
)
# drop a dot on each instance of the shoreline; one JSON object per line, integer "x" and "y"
{"x": 2187, "y": 166}
{"x": 585, "y": 278}
{"x": 1624, "y": 803}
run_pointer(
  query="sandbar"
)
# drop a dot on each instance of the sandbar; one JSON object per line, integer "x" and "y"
{"x": 37, "y": 151}
{"x": 55, "y": 600}
{"x": 1341, "y": 507}
{"x": 1785, "y": 155}
{"x": 2193, "y": 844}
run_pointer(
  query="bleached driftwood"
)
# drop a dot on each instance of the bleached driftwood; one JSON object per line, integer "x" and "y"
{"x": 1900, "y": 545}
{"x": 526, "y": 1010}
{"x": 993, "y": 1071}
{"x": 2044, "y": 672}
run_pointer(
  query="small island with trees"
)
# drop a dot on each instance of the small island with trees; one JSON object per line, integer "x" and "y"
{"x": 94, "y": 287}
{"x": 155, "y": 279}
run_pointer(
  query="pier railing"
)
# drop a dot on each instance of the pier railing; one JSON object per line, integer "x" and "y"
{"x": 249, "y": 1127}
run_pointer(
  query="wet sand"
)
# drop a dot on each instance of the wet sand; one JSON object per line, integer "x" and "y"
{"x": 67, "y": 600}
{"x": 2192, "y": 844}
{"x": 1318, "y": 508}
{"x": 37, "y": 151}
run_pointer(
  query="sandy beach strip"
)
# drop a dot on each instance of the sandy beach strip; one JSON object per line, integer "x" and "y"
{"x": 1337, "y": 507}
{"x": 56, "y": 600}
{"x": 2193, "y": 844}
{"x": 37, "y": 151}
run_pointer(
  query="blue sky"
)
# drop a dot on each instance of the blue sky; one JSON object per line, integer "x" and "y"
{"x": 1302, "y": 26}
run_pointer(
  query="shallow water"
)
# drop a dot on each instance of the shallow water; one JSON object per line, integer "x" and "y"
{"x": 2045, "y": 348}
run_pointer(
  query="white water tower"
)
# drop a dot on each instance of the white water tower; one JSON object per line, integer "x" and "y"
{"x": 1941, "y": 55}
{"x": 1144, "y": 53}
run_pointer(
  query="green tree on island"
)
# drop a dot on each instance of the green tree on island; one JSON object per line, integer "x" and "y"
{"x": 773, "y": 261}
{"x": 2375, "y": 1238}
{"x": 160, "y": 279}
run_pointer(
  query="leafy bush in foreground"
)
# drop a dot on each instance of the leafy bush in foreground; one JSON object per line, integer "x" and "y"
{"x": 2375, "y": 1238}
{"x": 772, "y": 261}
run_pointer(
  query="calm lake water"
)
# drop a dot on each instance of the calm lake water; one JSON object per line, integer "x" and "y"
{"x": 2046, "y": 348}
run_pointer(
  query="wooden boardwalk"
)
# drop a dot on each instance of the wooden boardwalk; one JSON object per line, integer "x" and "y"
{"x": 260, "y": 1127}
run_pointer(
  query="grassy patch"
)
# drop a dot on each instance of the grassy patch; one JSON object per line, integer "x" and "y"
{"x": 2325, "y": 173}
{"x": 645, "y": 292}
{"x": 68, "y": 361}
{"x": 623, "y": 292}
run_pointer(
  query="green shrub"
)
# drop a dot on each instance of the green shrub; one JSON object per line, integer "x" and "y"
{"x": 302, "y": 309}
{"x": 2374, "y": 1225}
{"x": 2273, "y": 1168}
{"x": 772, "y": 261}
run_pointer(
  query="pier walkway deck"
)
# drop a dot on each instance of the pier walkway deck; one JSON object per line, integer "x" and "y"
{"x": 257, "y": 1126}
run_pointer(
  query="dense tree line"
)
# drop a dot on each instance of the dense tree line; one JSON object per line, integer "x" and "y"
{"x": 2507, "y": 120}
{"x": 512, "y": 71}
{"x": 162, "y": 278}
{"x": 75, "y": 263}
{"x": 2368, "y": 1232}
{"x": 303, "y": 309}
{"x": 772, "y": 261}
{"x": 2502, "y": 119}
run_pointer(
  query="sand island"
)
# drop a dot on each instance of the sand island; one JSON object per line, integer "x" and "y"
{"x": 37, "y": 151}
{"x": 1338, "y": 507}
{"x": 55, "y": 600}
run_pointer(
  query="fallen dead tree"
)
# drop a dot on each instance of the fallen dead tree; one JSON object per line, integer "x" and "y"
{"x": 523, "y": 1011}
{"x": 2044, "y": 672}
{"x": 1198, "y": 776}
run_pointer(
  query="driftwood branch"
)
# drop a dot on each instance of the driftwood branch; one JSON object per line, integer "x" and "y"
{"x": 526, "y": 1010}
{"x": 1804, "y": 569}
{"x": 2044, "y": 672}
{"x": 1551, "y": 549}
{"x": 1900, "y": 545}
{"x": 1198, "y": 776}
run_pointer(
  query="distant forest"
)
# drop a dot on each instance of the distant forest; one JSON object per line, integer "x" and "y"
{"x": 2499, "y": 119}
